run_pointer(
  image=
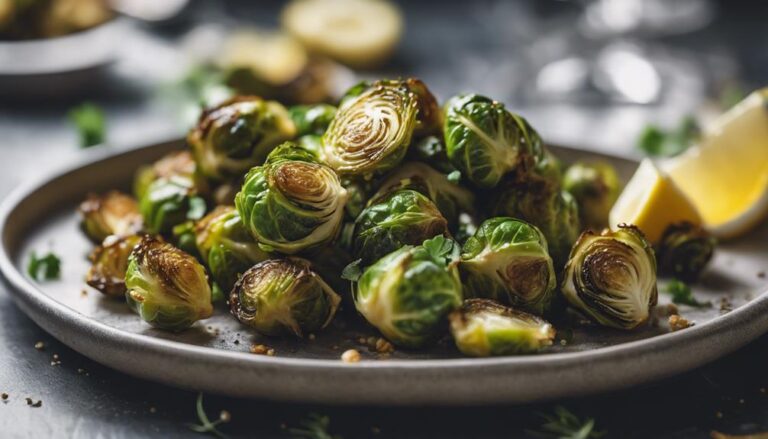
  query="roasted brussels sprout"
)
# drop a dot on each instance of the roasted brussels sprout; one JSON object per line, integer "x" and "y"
{"x": 183, "y": 237}
{"x": 408, "y": 293}
{"x": 226, "y": 247}
{"x": 292, "y": 202}
{"x": 167, "y": 287}
{"x": 595, "y": 186}
{"x": 168, "y": 202}
{"x": 450, "y": 198}
{"x": 553, "y": 211}
{"x": 238, "y": 134}
{"x": 174, "y": 165}
{"x": 611, "y": 277}
{"x": 507, "y": 260}
{"x": 371, "y": 132}
{"x": 482, "y": 328}
{"x": 109, "y": 263}
{"x": 311, "y": 143}
{"x": 431, "y": 150}
{"x": 685, "y": 250}
{"x": 359, "y": 193}
{"x": 312, "y": 119}
{"x": 485, "y": 141}
{"x": 403, "y": 217}
{"x": 283, "y": 296}
{"x": 113, "y": 213}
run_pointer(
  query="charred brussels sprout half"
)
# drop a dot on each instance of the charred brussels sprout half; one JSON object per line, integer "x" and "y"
{"x": 109, "y": 264}
{"x": 485, "y": 141}
{"x": 113, "y": 213}
{"x": 169, "y": 202}
{"x": 507, "y": 260}
{"x": 450, "y": 198}
{"x": 482, "y": 328}
{"x": 292, "y": 202}
{"x": 167, "y": 287}
{"x": 283, "y": 296}
{"x": 595, "y": 186}
{"x": 611, "y": 277}
{"x": 312, "y": 119}
{"x": 685, "y": 250}
{"x": 408, "y": 293}
{"x": 231, "y": 138}
{"x": 404, "y": 217}
{"x": 371, "y": 131}
{"x": 226, "y": 247}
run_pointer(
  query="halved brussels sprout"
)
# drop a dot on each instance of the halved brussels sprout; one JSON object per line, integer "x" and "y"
{"x": 226, "y": 247}
{"x": 283, "y": 296}
{"x": 542, "y": 204}
{"x": 507, "y": 260}
{"x": 685, "y": 250}
{"x": 168, "y": 202}
{"x": 595, "y": 186}
{"x": 113, "y": 213}
{"x": 485, "y": 141}
{"x": 233, "y": 137}
{"x": 408, "y": 293}
{"x": 109, "y": 264}
{"x": 292, "y": 203}
{"x": 371, "y": 132}
{"x": 167, "y": 287}
{"x": 312, "y": 119}
{"x": 611, "y": 277}
{"x": 482, "y": 327}
{"x": 450, "y": 198}
{"x": 403, "y": 217}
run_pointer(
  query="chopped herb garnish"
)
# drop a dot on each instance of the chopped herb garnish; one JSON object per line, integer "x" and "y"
{"x": 315, "y": 426}
{"x": 47, "y": 267}
{"x": 656, "y": 142}
{"x": 563, "y": 424}
{"x": 90, "y": 123}
{"x": 681, "y": 294}
{"x": 206, "y": 426}
{"x": 442, "y": 249}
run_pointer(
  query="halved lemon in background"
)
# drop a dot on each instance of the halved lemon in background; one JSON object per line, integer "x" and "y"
{"x": 726, "y": 176}
{"x": 651, "y": 201}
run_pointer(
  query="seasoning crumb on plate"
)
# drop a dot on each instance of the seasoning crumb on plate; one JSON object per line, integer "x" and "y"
{"x": 4, "y": 396}
{"x": 678, "y": 322}
{"x": 260, "y": 349}
{"x": 34, "y": 404}
{"x": 350, "y": 356}
{"x": 39, "y": 345}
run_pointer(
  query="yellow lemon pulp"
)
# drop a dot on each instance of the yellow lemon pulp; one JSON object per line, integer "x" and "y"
{"x": 651, "y": 201}
{"x": 726, "y": 176}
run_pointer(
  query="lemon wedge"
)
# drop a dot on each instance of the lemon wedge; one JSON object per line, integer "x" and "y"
{"x": 651, "y": 201}
{"x": 726, "y": 175}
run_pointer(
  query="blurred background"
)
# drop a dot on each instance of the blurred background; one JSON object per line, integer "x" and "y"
{"x": 589, "y": 73}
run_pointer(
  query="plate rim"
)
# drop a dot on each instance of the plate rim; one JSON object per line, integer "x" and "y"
{"x": 36, "y": 304}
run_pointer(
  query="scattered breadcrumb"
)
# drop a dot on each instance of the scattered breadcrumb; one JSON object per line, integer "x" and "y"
{"x": 83, "y": 293}
{"x": 4, "y": 396}
{"x": 719, "y": 415}
{"x": 311, "y": 337}
{"x": 761, "y": 274}
{"x": 152, "y": 409}
{"x": 350, "y": 356}
{"x": 225, "y": 416}
{"x": 383, "y": 346}
{"x": 260, "y": 349}
{"x": 39, "y": 345}
{"x": 677, "y": 322}
{"x": 34, "y": 404}
{"x": 725, "y": 305}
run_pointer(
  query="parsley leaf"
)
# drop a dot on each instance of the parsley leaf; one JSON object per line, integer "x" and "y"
{"x": 90, "y": 123}
{"x": 47, "y": 266}
{"x": 206, "y": 426}
{"x": 353, "y": 271}
{"x": 315, "y": 426}
{"x": 563, "y": 424}
{"x": 656, "y": 142}
{"x": 682, "y": 294}
{"x": 442, "y": 249}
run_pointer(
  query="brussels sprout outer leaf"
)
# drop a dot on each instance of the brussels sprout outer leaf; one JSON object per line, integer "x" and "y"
{"x": 109, "y": 264}
{"x": 113, "y": 213}
{"x": 482, "y": 327}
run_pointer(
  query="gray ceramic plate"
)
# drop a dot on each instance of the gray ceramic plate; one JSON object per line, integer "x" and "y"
{"x": 213, "y": 355}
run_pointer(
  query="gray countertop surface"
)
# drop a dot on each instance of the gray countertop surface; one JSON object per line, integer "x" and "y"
{"x": 80, "y": 398}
